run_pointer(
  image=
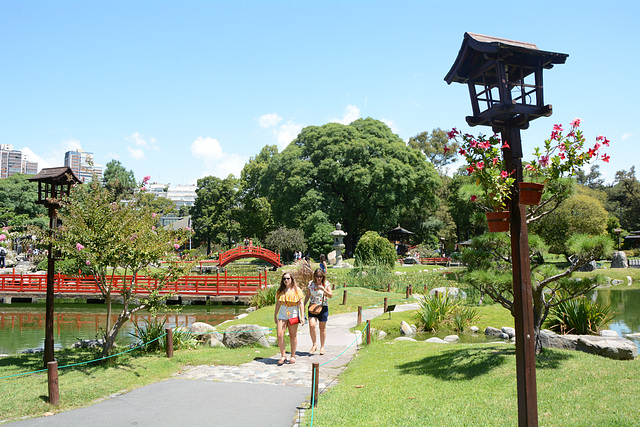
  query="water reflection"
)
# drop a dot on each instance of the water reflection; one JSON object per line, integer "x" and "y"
{"x": 625, "y": 305}
{"x": 22, "y": 325}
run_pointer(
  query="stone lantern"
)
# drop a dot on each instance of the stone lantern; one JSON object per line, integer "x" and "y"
{"x": 338, "y": 244}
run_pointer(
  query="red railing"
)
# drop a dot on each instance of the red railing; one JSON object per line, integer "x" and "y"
{"x": 435, "y": 260}
{"x": 208, "y": 285}
{"x": 250, "y": 252}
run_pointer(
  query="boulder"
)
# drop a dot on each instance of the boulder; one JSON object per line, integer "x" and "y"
{"x": 511, "y": 332}
{"x": 382, "y": 334}
{"x": 474, "y": 329}
{"x": 405, "y": 329}
{"x": 89, "y": 344}
{"x": 436, "y": 340}
{"x": 619, "y": 260}
{"x": 590, "y": 266}
{"x": 634, "y": 335}
{"x": 609, "y": 333}
{"x": 240, "y": 335}
{"x": 213, "y": 343}
{"x": 610, "y": 347}
{"x": 405, "y": 339}
{"x": 204, "y": 332}
{"x": 492, "y": 332}
{"x": 451, "y": 338}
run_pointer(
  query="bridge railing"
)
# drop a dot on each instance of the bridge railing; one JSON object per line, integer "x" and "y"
{"x": 248, "y": 251}
{"x": 209, "y": 285}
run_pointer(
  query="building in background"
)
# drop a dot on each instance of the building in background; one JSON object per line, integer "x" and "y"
{"x": 81, "y": 164}
{"x": 13, "y": 162}
{"x": 182, "y": 195}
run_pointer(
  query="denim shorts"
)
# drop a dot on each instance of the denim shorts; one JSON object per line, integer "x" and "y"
{"x": 322, "y": 316}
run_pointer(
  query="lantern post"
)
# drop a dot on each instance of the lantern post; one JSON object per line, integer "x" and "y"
{"x": 504, "y": 78}
{"x": 53, "y": 185}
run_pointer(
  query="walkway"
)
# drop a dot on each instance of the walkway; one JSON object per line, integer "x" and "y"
{"x": 258, "y": 393}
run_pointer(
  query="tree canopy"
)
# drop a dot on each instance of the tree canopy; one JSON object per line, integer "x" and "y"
{"x": 118, "y": 180}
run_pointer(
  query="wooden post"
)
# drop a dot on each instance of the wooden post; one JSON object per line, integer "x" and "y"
{"x": 388, "y": 287}
{"x": 344, "y": 297}
{"x": 407, "y": 293}
{"x": 368, "y": 332}
{"x": 522, "y": 292}
{"x": 425, "y": 289}
{"x": 169, "y": 346}
{"x": 385, "y": 305}
{"x": 49, "y": 310}
{"x": 315, "y": 375}
{"x": 359, "y": 315}
{"x": 52, "y": 380}
{"x": 410, "y": 290}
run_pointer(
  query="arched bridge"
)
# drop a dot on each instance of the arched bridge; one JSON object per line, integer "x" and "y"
{"x": 249, "y": 252}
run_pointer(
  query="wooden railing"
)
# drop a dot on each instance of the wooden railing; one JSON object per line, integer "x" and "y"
{"x": 435, "y": 260}
{"x": 249, "y": 252}
{"x": 209, "y": 285}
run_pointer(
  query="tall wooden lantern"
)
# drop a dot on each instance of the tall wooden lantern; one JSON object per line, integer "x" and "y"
{"x": 505, "y": 84}
{"x": 53, "y": 185}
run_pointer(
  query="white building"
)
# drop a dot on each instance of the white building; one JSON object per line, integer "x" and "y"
{"x": 181, "y": 195}
{"x": 81, "y": 163}
{"x": 13, "y": 161}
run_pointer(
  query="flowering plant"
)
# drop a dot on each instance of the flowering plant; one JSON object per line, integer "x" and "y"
{"x": 564, "y": 154}
{"x": 484, "y": 163}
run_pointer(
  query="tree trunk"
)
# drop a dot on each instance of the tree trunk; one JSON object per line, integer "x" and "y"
{"x": 110, "y": 337}
{"x": 538, "y": 317}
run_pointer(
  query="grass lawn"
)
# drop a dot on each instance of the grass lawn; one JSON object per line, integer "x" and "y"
{"x": 419, "y": 384}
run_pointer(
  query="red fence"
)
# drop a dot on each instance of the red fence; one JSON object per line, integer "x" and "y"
{"x": 250, "y": 252}
{"x": 209, "y": 285}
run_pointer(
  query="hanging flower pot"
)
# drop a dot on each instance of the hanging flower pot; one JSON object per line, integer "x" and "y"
{"x": 498, "y": 221}
{"x": 530, "y": 193}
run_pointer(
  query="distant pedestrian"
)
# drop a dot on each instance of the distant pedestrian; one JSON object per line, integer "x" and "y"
{"x": 317, "y": 293}
{"x": 3, "y": 254}
{"x": 323, "y": 263}
{"x": 288, "y": 314}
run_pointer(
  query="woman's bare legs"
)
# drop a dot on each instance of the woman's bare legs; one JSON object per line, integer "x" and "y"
{"x": 282, "y": 324}
{"x": 293, "y": 338}
{"x": 312, "y": 333}
{"x": 323, "y": 335}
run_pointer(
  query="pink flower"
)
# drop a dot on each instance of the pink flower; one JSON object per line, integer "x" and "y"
{"x": 153, "y": 227}
{"x": 495, "y": 160}
{"x": 177, "y": 246}
{"x": 485, "y": 145}
{"x": 605, "y": 158}
{"x": 79, "y": 247}
{"x": 505, "y": 145}
{"x": 153, "y": 215}
{"x": 473, "y": 144}
{"x": 146, "y": 178}
{"x": 504, "y": 174}
{"x": 143, "y": 188}
{"x": 480, "y": 165}
{"x": 473, "y": 198}
{"x": 88, "y": 262}
{"x": 446, "y": 149}
{"x": 544, "y": 161}
{"x": 452, "y": 133}
{"x": 529, "y": 167}
{"x": 557, "y": 128}
{"x": 562, "y": 156}
{"x": 2, "y": 237}
{"x": 575, "y": 122}
{"x": 606, "y": 142}
{"x": 5, "y": 228}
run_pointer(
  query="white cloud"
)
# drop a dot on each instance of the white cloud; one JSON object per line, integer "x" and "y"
{"x": 351, "y": 113}
{"x": 138, "y": 139}
{"x": 55, "y": 157}
{"x": 627, "y": 135}
{"x": 287, "y": 133}
{"x": 71, "y": 144}
{"x": 269, "y": 120}
{"x": 220, "y": 164}
{"x": 136, "y": 153}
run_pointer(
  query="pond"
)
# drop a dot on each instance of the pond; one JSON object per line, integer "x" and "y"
{"x": 22, "y": 325}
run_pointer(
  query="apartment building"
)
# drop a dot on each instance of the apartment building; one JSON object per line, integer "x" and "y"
{"x": 81, "y": 163}
{"x": 13, "y": 161}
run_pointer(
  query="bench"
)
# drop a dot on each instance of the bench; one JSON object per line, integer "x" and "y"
{"x": 435, "y": 260}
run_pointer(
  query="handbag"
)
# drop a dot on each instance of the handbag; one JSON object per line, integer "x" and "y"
{"x": 315, "y": 308}
{"x": 294, "y": 320}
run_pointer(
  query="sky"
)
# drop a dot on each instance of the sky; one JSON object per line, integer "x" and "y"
{"x": 183, "y": 90}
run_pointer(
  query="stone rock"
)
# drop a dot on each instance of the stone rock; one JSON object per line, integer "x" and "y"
{"x": 213, "y": 343}
{"x": 452, "y": 338}
{"x": 503, "y": 336}
{"x": 411, "y": 260}
{"x": 382, "y": 335}
{"x": 629, "y": 281}
{"x": 610, "y": 347}
{"x": 590, "y": 266}
{"x": 88, "y": 344}
{"x": 492, "y": 332}
{"x": 511, "y": 332}
{"x": 474, "y": 329}
{"x": 3, "y": 355}
{"x": 204, "y": 332}
{"x": 436, "y": 340}
{"x": 240, "y": 335}
{"x": 273, "y": 340}
{"x": 405, "y": 339}
{"x": 616, "y": 282}
{"x": 250, "y": 309}
{"x": 414, "y": 328}
{"x": 241, "y": 316}
{"x": 619, "y": 260}
{"x": 331, "y": 258}
{"x": 634, "y": 335}
{"x": 609, "y": 333}
{"x": 405, "y": 329}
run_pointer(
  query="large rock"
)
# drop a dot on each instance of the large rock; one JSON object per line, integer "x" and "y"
{"x": 436, "y": 340}
{"x": 590, "y": 266}
{"x": 240, "y": 335}
{"x": 619, "y": 260}
{"x": 611, "y": 347}
{"x": 204, "y": 332}
{"x": 511, "y": 332}
{"x": 452, "y": 338}
{"x": 492, "y": 332}
{"x": 405, "y": 329}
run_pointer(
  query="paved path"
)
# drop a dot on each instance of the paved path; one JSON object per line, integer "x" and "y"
{"x": 258, "y": 393}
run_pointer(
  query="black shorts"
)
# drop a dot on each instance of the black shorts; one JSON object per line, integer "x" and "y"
{"x": 322, "y": 316}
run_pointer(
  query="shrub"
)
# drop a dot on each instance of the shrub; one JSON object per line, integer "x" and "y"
{"x": 374, "y": 275}
{"x": 434, "y": 311}
{"x": 264, "y": 297}
{"x": 150, "y": 335}
{"x": 373, "y": 249}
{"x": 578, "y": 316}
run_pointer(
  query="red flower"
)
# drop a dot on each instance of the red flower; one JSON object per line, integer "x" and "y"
{"x": 557, "y": 128}
{"x": 505, "y": 145}
{"x": 504, "y": 174}
{"x": 575, "y": 122}
{"x": 446, "y": 149}
{"x": 480, "y": 165}
{"x": 605, "y": 158}
{"x": 495, "y": 160}
{"x": 473, "y": 198}
{"x": 462, "y": 151}
{"x": 591, "y": 152}
{"x": 470, "y": 169}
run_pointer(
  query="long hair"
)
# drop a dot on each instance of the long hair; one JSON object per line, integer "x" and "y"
{"x": 283, "y": 286}
{"x": 320, "y": 273}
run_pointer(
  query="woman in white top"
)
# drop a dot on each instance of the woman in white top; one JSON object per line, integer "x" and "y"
{"x": 318, "y": 291}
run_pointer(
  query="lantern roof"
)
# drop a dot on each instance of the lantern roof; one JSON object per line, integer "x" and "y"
{"x": 59, "y": 175}
{"x": 477, "y": 50}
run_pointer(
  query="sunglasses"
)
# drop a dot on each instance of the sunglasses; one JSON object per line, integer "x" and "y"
{"x": 287, "y": 278}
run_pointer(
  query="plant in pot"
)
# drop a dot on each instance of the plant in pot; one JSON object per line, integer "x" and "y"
{"x": 484, "y": 163}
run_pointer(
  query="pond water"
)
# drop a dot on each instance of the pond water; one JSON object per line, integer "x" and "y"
{"x": 22, "y": 325}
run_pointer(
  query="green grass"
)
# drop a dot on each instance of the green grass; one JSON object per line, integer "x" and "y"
{"x": 415, "y": 383}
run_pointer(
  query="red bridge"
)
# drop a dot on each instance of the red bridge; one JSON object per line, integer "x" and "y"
{"x": 250, "y": 252}
{"x": 191, "y": 287}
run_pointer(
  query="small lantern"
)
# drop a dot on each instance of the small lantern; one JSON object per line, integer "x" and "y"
{"x": 54, "y": 184}
{"x": 504, "y": 79}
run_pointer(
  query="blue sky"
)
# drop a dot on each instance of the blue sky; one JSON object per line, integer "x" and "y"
{"x": 182, "y": 90}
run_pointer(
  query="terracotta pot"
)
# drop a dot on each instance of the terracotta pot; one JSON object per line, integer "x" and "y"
{"x": 530, "y": 193}
{"x": 498, "y": 221}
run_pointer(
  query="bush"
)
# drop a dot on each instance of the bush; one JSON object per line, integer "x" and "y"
{"x": 68, "y": 267}
{"x": 578, "y": 316}
{"x": 434, "y": 311}
{"x": 264, "y": 297}
{"x": 374, "y": 275}
{"x": 373, "y": 249}
{"x": 286, "y": 241}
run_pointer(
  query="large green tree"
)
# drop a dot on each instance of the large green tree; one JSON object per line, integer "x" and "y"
{"x": 18, "y": 200}
{"x": 436, "y": 147}
{"x": 362, "y": 175}
{"x": 215, "y": 210}
{"x": 118, "y": 180}
{"x": 624, "y": 199}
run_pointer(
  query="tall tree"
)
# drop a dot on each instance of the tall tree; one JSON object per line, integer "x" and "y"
{"x": 18, "y": 200}
{"x": 624, "y": 199}
{"x": 361, "y": 175}
{"x": 118, "y": 180}
{"x": 215, "y": 210}
{"x": 436, "y": 147}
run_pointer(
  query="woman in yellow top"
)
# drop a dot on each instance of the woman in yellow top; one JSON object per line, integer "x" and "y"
{"x": 289, "y": 313}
